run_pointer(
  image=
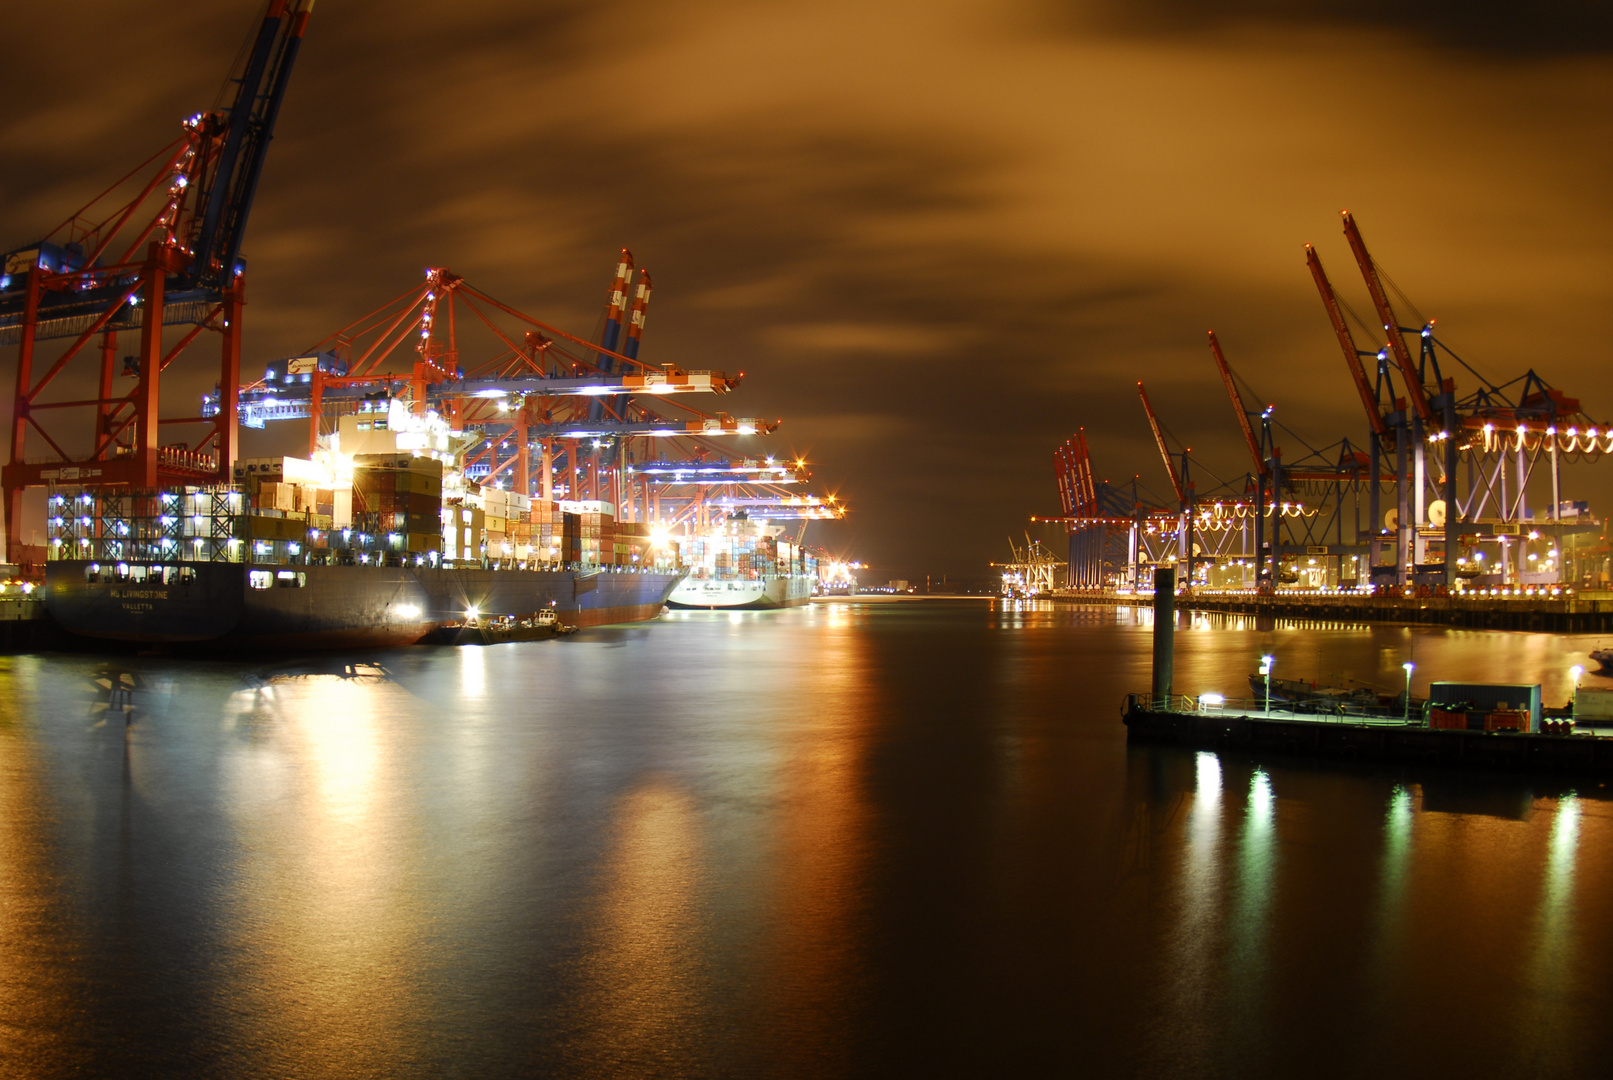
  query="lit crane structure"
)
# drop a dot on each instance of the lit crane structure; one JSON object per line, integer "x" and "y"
{"x": 1311, "y": 520}
{"x": 1181, "y": 482}
{"x": 1032, "y": 572}
{"x": 1223, "y": 529}
{"x": 539, "y": 410}
{"x": 1501, "y": 433}
{"x": 1459, "y": 468}
{"x": 159, "y": 248}
{"x": 653, "y": 458}
{"x": 1110, "y": 532}
{"x": 537, "y": 385}
{"x": 1115, "y": 537}
{"x": 695, "y": 491}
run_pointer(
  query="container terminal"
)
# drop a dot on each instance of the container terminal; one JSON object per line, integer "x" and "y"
{"x": 465, "y": 461}
{"x": 1447, "y": 507}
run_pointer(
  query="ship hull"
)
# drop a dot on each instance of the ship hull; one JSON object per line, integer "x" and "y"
{"x": 708, "y": 594}
{"x": 323, "y": 607}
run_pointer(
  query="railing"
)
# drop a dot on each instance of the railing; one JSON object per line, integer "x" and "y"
{"x": 174, "y": 457}
{"x": 1313, "y": 711}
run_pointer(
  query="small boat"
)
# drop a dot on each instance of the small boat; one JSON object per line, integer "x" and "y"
{"x": 500, "y": 629}
{"x": 1604, "y": 659}
{"x": 1305, "y": 696}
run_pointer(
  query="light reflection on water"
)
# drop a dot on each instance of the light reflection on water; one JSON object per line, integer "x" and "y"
{"x": 848, "y": 839}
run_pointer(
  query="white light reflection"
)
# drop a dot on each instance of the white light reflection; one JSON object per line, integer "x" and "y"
{"x": 473, "y": 672}
{"x": 1396, "y": 849}
{"x": 1388, "y": 922}
{"x": 1552, "y": 993}
{"x": 1250, "y": 925}
{"x": 1194, "y": 977}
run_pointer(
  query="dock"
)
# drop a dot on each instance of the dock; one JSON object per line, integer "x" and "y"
{"x": 1335, "y": 729}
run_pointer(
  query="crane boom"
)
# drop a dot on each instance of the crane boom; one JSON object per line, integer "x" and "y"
{"x": 610, "y": 338}
{"x": 1072, "y": 467}
{"x": 1164, "y": 451}
{"x": 1088, "y": 491}
{"x": 226, "y": 200}
{"x": 1237, "y": 406}
{"x": 635, "y": 321}
{"x": 1391, "y": 326}
{"x": 1352, "y": 355}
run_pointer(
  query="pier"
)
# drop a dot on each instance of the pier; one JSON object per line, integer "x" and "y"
{"x": 1333, "y": 729}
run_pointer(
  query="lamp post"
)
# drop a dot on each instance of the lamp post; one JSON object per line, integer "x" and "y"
{"x": 1265, "y": 669}
{"x": 1410, "y": 667}
{"x": 1573, "y": 703}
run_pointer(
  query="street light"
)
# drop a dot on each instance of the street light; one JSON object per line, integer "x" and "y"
{"x": 1265, "y": 669}
{"x": 1573, "y": 703}
{"x": 1410, "y": 667}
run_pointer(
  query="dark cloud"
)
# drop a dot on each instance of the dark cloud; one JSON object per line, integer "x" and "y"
{"x": 1544, "y": 28}
{"x": 937, "y": 238}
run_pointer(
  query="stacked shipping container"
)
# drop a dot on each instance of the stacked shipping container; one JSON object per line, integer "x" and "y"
{"x": 399, "y": 496}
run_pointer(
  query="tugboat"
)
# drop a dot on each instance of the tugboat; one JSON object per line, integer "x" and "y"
{"x": 500, "y": 629}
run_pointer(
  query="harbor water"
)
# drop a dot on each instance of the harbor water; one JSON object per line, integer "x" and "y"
{"x": 849, "y": 839}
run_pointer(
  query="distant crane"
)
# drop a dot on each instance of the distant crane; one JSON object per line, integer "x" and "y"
{"x": 1032, "y": 572}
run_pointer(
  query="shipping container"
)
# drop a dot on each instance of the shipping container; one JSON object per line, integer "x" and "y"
{"x": 1593, "y": 705}
{"x": 1488, "y": 698}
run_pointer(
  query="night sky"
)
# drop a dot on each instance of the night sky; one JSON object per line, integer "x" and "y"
{"x": 937, "y": 236}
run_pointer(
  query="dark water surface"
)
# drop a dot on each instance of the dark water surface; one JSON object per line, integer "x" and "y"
{"x": 875, "y": 840}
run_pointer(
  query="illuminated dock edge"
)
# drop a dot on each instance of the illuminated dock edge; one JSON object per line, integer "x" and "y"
{"x": 1379, "y": 741}
{"x": 1576, "y": 612}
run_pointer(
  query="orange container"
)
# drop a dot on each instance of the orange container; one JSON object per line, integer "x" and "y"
{"x": 1453, "y": 721}
{"x": 1507, "y": 720}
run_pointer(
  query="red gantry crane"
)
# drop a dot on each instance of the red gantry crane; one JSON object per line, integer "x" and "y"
{"x": 159, "y": 248}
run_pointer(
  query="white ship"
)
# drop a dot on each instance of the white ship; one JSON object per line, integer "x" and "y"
{"x": 770, "y": 591}
{"x": 744, "y": 564}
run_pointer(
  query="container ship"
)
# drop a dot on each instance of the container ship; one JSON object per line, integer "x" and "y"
{"x": 398, "y": 523}
{"x": 336, "y": 552}
{"x": 745, "y": 565}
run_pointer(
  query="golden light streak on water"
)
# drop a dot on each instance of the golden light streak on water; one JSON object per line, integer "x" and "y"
{"x": 326, "y": 905}
{"x": 37, "y": 987}
{"x": 818, "y": 852}
{"x": 643, "y": 988}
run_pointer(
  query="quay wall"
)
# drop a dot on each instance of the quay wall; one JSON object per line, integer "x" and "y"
{"x": 1580, "y": 613}
{"x": 1576, "y": 754}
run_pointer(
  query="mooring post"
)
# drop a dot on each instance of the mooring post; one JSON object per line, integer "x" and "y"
{"x": 1164, "y": 634}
